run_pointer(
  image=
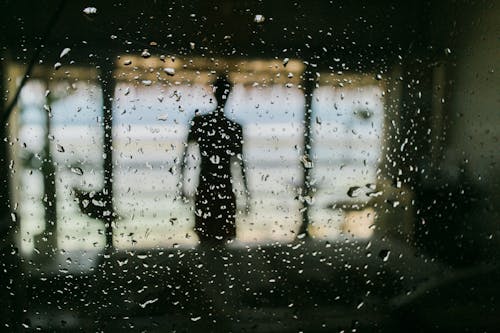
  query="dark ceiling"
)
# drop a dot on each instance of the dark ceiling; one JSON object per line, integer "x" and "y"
{"x": 357, "y": 32}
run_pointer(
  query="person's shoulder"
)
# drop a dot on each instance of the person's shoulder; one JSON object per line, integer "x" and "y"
{"x": 197, "y": 119}
{"x": 234, "y": 124}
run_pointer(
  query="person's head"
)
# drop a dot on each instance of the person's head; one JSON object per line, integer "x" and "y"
{"x": 221, "y": 89}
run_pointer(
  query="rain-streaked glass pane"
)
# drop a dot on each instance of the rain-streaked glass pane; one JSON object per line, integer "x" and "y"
{"x": 249, "y": 166}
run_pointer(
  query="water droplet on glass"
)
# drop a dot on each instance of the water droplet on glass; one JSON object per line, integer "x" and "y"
{"x": 195, "y": 318}
{"x": 215, "y": 159}
{"x": 60, "y": 148}
{"x": 285, "y": 61}
{"x": 162, "y": 117}
{"x": 378, "y": 77}
{"x": 354, "y": 191}
{"x": 151, "y": 301}
{"x": 57, "y": 65}
{"x": 447, "y": 51}
{"x": 147, "y": 83}
{"x": 384, "y": 254}
{"x": 169, "y": 70}
{"x": 90, "y": 10}
{"x": 145, "y": 54}
{"x": 371, "y": 186}
{"x": 306, "y": 162}
{"x": 259, "y": 18}
{"x": 64, "y": 52}
{"x": 127, "y": 62}
{"x": 122, "y": 262}
{"x": 77, "y": 170}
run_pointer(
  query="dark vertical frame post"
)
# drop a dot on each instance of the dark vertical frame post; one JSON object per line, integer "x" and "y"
{"x": 49, "y": 182}
{"x": 309, "y": 84}
{"x": 5, "y": 217}
{"x": 108, "y": 84}
{"x": 11, "y": 291}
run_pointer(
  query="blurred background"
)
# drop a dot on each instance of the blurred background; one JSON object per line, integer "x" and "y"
{"x": 369, "y": 138}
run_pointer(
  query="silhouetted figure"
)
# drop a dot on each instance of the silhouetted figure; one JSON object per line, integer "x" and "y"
{"x": 220, "y": 143}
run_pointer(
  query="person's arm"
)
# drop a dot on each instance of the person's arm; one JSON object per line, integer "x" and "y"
{"x": 243, "y": 168}
{"x": 182, "y": 191}
{"x": 245, "y": 184}
{"x": 184, "y": 158}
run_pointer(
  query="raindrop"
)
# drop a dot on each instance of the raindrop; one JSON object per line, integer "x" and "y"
{"x": 285, "y": 61}
{"x": 77, "y": 170}
{"x": 127, "y": 62}
{"x": 195, "y": 318}
{"x": 374, "y": 194}
{"x": 378, "y": 77}
{"x": 90, "y": 10}
{"x": 60, "y": 148}
{"x": 447, "y": 51}
{"x": 122, "y": 262}
{"x": 354, "y": 191}
{"x": 259, "y": 18}
{"x": 215, "y": 159}
{"x": 145, "y": 54}
{"x": 192, "y": 45}
{"x": 147, "y": 83}
{"x": 64, "y": 52}
{"x": 371, "y": 186}
{"x": 57, "y": 65}
{"x": 384, "y": 254}
{"x": 169, "y": 70}
{"x": 306, "y": 161}
{"x": 98, "y": 203}
{"x": 162, "y": 117}
{"x": 151, "y": 301}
